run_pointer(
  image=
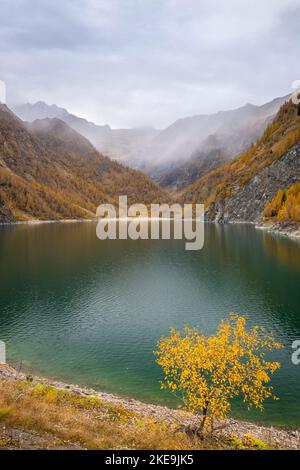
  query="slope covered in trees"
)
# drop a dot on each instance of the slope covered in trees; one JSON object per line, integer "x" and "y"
{"x": 49, "y": 171}
{"x": 194, "y": 146}
{"x": 240, "y": 189}
{"x": 177, "y": 156}
{"x": 285, "y": 206}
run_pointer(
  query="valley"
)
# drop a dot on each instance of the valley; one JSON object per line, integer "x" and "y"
{"x": 235, "y": 162}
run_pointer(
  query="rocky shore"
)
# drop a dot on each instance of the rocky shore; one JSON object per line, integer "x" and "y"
{"x": 287, "y": 229}
{"x": 229, "y": 430}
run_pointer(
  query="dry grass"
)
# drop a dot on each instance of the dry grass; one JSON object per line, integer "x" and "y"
{"x": 72, "y": 421}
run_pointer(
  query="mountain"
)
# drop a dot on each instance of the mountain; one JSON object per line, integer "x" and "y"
{"x": 241, "y": 189}
{"x": 49, "y": 171}
{"x": 115, "y": 143}
{"x": 176, "y": 157}
{"x": 194, "y": 146}
{"x": 179, "y": 174}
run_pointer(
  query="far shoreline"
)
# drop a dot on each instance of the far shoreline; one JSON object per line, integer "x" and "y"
{"x": 41, "y": 222}
{"x": 288, "y": 230}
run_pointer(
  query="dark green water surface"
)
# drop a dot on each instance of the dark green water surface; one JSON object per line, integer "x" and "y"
{"x": 90, "y": 312}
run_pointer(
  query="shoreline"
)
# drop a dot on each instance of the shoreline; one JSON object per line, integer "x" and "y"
{"x": 40, "y": 222}
{"x": 290, "y": 230}
{"x": 285, "y": 229}
{"x": 229, "y": 429}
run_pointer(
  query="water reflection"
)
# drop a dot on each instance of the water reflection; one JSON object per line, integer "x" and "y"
{"x": 91, "y": 311}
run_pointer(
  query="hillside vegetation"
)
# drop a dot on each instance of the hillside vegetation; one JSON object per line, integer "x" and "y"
{"x": 49, "y": 171}
{"x": 225, "y": 183}
{"x": 178, "y": 155}
{"x": 285, "y": 206}
{"x": 194, "y": 146}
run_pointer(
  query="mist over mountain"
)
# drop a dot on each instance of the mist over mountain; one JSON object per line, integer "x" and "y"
{"x": 50, "y": 171}
{"x": 192, "y": 147}
{"x": 178, "y": 155}
{"x": 118, "y": 144}
{"x": 241, "y": 189}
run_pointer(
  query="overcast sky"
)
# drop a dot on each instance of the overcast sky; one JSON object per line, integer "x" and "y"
{"x": 148, "y": 62}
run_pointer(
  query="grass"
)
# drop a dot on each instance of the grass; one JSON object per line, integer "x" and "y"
{"x": 37, "y": 415}
{"x": 247, "y": 442}
{"x": 69, "y": 418}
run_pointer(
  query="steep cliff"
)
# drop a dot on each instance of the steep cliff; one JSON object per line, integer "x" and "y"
{"x": 239, "y": 190}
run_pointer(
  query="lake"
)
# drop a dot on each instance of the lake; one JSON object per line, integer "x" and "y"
{"x": 87, "y": 311}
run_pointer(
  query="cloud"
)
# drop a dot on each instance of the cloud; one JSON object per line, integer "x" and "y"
{"x": 148, "y": 62}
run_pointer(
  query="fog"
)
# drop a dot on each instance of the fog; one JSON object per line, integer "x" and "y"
{"x": 132, "y": 63}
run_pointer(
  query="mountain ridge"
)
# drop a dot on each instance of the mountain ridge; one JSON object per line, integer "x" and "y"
{"x": 115, "y": 143}
{"x": 184, "y": 144}
{"x": 49, "y": 171}
{"x": 176, "y": 156}
{"x": 239, "y": 190}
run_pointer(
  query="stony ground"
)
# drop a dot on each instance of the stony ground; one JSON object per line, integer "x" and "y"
{"x": 288, "y": 229}
{"x": 230, "y": 434}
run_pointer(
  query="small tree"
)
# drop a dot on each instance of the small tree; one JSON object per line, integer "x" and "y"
{"x": 209, "y": 371}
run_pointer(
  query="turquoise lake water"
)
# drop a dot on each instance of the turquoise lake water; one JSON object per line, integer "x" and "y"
{"x": 90, "y": 312}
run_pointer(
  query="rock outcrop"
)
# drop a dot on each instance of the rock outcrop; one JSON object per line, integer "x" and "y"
{"x": 248, "y": 203}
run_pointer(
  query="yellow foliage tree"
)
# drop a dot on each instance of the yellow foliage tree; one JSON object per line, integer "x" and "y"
{"x": 285, "y": 206}
{"x": 207, "y": 372}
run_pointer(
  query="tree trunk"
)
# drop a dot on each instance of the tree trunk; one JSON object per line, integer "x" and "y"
{"x": 203, "y": 419}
